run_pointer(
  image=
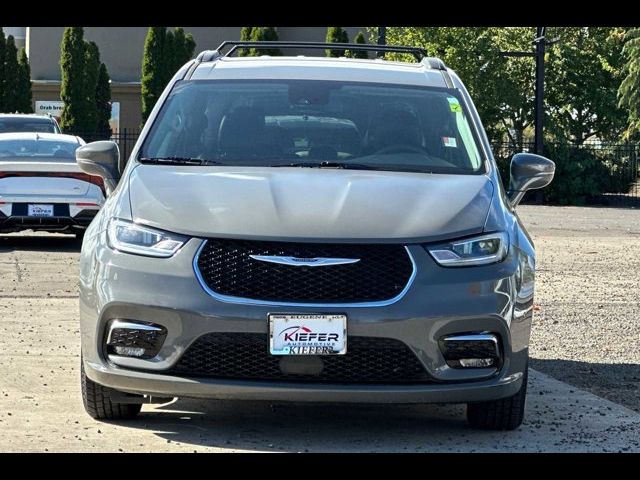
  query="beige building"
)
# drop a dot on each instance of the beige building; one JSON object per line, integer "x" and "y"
{"x": 121, "y": 49}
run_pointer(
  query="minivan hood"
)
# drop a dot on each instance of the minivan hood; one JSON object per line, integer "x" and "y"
{"x": 309, "y": 203}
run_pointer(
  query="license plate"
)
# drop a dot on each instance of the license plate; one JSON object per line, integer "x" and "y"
{"x": 40, "y": 210}
{"x": 307, "y": 334}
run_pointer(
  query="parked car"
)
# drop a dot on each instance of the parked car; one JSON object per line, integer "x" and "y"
{"x": 23, "y": 122}
{"x": 42, "y": 188}
{"x": 309, "y": 229}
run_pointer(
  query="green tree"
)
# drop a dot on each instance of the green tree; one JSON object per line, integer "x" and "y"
{"x": 23, "y": 94}
{"x": 184, "y": 47}
{"x": 103, "y": 103}
{"x": 336, "y": 35}
{"x": 263, "y": 34}
{"x": 165, "y": 52}
{"x": 91, "y": 69}
{"x": 245, "y": 36}
{"x": 74, "y": 117}
{"x": 170, "y": 52}
{"x": 2, "y": 52}
{"x": 583, "y": 73}
{"x": 502, "y": 87}
{"x": 359, "y": 38}
{"x": 11, "y": 76}
{"x": 629, "y": 91}
{"x": 152, "y": 69}
{"x": 189, "y": 47}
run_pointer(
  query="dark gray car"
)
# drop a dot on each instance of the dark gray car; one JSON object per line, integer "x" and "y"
{"x": 309, "y": 229}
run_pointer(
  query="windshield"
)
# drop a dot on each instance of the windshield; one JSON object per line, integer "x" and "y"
{"x": 302, "y": 122}
{"x": 12, "y": 125}
{"x": 38, "y": 150}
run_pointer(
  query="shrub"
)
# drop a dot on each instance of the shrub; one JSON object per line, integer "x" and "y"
{"x": 73, "y": 92}
{"x": 23, "y": 94}
{"x": 359, "y": 53}
{"x": 336, "y": 35}
{"x": 580, "y": 175}
{"x": 11, "y": 76}
{"x": 103, "y": 103}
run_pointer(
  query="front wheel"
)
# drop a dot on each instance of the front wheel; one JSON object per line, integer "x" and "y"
{"x": 503, "y": 414}
{"x": 98, "y": 403}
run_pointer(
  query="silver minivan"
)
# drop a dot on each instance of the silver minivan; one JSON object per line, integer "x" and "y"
{"x": 298, "y": 228}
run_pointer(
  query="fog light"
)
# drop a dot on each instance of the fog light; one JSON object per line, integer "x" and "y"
{"x": 134, "y": 339}
{"x": 476, "y": 362}
{"x": 130, "y": 351}
{"x": 471, "y": 350}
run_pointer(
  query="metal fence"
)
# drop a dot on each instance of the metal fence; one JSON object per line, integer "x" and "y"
{"x": 614, "y": 167}
{"x": 125, "y": 138}
{"x": 611, "y": 169}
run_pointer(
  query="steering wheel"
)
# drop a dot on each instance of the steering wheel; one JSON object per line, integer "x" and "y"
{"x": 400, "y": 148}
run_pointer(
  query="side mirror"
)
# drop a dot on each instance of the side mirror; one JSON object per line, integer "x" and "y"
{"x": 528, "y": 172}
{"x": 102, "y": 159}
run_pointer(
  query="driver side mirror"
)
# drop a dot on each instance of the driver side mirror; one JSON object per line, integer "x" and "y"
{"x": 528, "y": 172}
{"x": 102, "y": 159}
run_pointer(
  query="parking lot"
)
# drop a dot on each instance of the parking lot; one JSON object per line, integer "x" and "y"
{"x": 584, "y": 348}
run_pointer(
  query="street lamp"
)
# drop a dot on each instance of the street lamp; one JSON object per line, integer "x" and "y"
{"x": 540, "y": 42}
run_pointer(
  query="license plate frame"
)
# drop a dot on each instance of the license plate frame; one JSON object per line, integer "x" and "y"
{"x": 314, "y": 335}
{"x": 40, "y": 210}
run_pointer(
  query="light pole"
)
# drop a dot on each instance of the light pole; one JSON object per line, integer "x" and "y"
{"x": 382, "y": 38}
{"x": 540, "y": 42}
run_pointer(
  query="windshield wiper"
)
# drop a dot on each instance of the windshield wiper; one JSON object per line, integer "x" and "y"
{"x": 329, "y": 164}
{"x": 178, "y": 161}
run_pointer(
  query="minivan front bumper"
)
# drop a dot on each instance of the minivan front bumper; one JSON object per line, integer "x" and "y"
{"x": 440, "y": 302}
{"x": 172, "y": 386}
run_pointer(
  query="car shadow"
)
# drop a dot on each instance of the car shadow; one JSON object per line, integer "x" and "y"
{"x": 296, "y": 427}
{"x": 308, "y": 427}
{"x": 39, "y": 243}
{"x": 617, "y": 382}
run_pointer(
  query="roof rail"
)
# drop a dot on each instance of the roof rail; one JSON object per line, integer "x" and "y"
{"x": 417, "y": 52}
{"x": 435, "y": 63}
{"x": 208, "y": 56}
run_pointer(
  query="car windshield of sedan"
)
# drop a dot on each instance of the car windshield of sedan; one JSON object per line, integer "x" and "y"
{"x": 40, "y": 149}
{"x": 14, "y": 125}
{"x": 314, "y": 123}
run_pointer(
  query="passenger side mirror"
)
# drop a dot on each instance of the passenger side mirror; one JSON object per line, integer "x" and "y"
{"x": 102, "y": 159}
{"x": 528, "y": 172}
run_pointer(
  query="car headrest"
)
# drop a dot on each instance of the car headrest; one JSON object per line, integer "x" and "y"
{"x": 394, "y": 126}
{"x": 243, "y": 126}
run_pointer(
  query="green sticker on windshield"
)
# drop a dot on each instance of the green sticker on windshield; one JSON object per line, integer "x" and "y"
{"x": 454, "y": 105}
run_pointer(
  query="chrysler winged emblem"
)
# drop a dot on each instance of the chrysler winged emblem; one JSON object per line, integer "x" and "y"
{"x": 304, "y": 262}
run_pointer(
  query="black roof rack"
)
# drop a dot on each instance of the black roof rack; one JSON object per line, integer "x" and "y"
{"x": 417, "y": 52}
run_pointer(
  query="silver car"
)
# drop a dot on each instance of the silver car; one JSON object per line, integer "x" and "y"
{"x": 309, "y": 229}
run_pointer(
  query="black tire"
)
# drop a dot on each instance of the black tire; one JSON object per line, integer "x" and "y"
{"x": 97, "y": 401}
{"x": 504, "y": 414}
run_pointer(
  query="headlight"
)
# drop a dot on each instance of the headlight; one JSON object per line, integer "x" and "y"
{"x": 132, "y": 238}
{"x": 482, "y": 250}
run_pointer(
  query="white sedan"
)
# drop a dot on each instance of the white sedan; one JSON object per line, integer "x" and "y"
{"x": 42, "y": 187}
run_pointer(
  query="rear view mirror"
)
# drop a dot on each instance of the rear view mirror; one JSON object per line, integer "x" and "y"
{"x": 529, "y": 172}
{"x": 101, "y": 159}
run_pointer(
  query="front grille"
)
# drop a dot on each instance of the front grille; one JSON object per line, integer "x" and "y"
{"x": 245, "y": 356}
{"x": 382, "y": 272}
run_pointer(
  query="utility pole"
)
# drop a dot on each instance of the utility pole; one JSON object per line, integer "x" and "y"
{"x": 382, "y": 38}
